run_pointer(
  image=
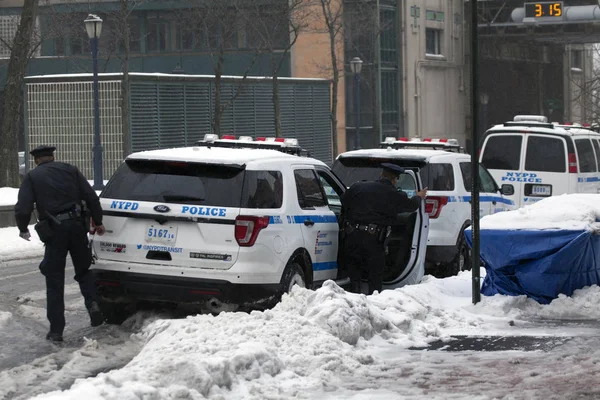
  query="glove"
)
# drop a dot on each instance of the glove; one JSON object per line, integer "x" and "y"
{"x": 25, "y": 235}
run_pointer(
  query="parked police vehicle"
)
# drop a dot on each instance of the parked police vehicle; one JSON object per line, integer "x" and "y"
{"x": 226, "y": 223}
{"x": 539, "y": 159}
{"x": 442, "y": 167}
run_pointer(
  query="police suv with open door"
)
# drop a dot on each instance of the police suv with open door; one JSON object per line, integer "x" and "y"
{"x": 225, "y": 224}
{"x": 407, "y": 242}
{"x": 537, "y": 159}
{"x": 443, "y": 167}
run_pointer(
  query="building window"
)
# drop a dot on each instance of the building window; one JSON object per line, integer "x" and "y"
{"x": 577, "y": 59}
{"x": 156, "y": 35}
{"x": 433, "y": 38}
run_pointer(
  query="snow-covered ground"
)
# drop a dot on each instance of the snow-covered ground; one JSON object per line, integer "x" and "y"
{"x": 8, "y": 196}
{"x": 335, "y": 345}
{"x": 330, "y": 344}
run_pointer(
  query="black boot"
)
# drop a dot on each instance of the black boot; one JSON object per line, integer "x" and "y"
{"x": 54, "y": 337}
{"x": 96, "y": 317}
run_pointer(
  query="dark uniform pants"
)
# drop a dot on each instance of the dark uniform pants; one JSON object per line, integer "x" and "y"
{"x": 363, "y": 250}
{"x": 69, "y": 237}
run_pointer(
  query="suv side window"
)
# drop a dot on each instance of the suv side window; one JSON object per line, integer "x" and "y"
{"x": 597, "y": 150}
{"x": 545, "y": 154}
{"x": 309, "y": 190}
{"x": 503, "y": 152}
{"x": 486, "y": 182}
{"x": 262, "y": 189}
{"x": 585, "y": 154}
{"x": 488, "y": 185}
{"x": 438, "y": 176}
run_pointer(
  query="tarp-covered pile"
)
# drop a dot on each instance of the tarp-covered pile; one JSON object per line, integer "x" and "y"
{"x": 549, "y": 248}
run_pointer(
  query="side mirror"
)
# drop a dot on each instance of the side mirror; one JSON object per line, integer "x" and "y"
{"x": 507, "y": 190}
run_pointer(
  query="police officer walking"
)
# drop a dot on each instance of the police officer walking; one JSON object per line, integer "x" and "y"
{"x": 368, "y": 209}
{"x": 57, "y": 189}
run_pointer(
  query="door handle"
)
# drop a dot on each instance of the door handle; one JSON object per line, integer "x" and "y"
{"x": 308, "y": 222}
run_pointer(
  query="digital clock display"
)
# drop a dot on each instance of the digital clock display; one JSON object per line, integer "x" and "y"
{"x": 552, "y": 9}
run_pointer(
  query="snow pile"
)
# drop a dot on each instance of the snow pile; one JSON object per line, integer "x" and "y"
{"x": 307, "y": 341}
{"x": 572, "y": 212}
{"x": 319, "y": 344}
{"x": 15, "y": 248}
{"x": 8, "y": 196}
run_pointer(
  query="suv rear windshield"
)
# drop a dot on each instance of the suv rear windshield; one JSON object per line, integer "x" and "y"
{"x": 353, "y": 169}
{"x": 503, "y": 152}
{"x": 193, "y": 183}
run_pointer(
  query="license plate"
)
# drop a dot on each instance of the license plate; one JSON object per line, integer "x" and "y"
{"x": 541, "y": 190}
{"x": 159, "y": 233}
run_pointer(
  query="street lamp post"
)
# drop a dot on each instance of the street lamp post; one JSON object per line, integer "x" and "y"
{"x": 93, "y": 26}
{"x": 484, "y": 99}
{"x": 356, "y": 66}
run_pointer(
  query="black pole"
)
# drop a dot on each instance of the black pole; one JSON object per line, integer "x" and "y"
{"x": 98, "y": 178}
{"x": 357, "y": 109}
{"x": 475, "y": 257}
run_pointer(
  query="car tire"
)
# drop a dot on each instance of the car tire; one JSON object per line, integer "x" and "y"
{"x": 114, "y": 313}
{"x": 292, "y": 275}
{"x": 461, "y": 261}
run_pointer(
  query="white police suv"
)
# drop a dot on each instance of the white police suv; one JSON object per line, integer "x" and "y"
{"x": 226, "y": 223}
{"x": 445, "y": 170}
{"x": 539, "y": 159}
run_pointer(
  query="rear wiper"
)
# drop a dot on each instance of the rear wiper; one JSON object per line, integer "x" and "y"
{"x": 171, "y": 198}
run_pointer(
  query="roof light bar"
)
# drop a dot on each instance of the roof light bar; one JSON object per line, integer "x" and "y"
{"x": 531, "y": 118}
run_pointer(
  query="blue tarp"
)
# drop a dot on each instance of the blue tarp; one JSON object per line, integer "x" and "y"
{"x": 538, "y": 263}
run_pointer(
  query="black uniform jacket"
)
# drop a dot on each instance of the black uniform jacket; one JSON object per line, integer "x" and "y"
{"x": 376, "y": 202}
{"x": 55, "y": 187}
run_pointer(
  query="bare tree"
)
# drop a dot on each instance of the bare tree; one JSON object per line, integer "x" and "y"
{"x": 276, "y": 28}
{"x": 332, "y": 14}
{"x": 213, "y": 26}
{"x": 13, "y": 95}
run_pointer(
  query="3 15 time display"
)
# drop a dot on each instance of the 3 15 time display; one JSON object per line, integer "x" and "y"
{"x": 553, "y": 9}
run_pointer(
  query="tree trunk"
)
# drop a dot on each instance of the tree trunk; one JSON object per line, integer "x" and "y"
{"x": 218, "y": 107}
{"x": 276, "y": 106}
{"x": 13, "y": 96}
{"x": 334, "y": 94}
{"x": 125, "y": 81}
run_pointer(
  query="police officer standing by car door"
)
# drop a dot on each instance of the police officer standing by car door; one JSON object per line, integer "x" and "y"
{"x": 58, "y": 189}
{"x": 368, "y": 209}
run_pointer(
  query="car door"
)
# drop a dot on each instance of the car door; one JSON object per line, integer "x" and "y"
{"x": 334, "y": 190}
{"x": 318, "y": 223}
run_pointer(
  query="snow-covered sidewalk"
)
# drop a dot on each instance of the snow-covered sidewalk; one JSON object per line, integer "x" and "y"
{"x": 13, "y": 247}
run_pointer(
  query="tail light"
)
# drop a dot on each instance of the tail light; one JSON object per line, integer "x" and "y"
{"x": 434, "y": 204}
{"x": 247, "y": 228}
{"x": 572, "y": 163}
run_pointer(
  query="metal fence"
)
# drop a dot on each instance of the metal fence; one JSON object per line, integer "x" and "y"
{"x": 170, "y": 111}
{"x": 61, "y": 114}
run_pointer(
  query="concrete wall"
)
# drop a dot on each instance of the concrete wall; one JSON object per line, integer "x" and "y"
{"x": 435, "y": 99}
{"x": 7, "y": 217}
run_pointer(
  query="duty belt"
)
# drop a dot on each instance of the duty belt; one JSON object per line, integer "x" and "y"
{"x": 369, "y": 228}
{"x": 68, "y": 215}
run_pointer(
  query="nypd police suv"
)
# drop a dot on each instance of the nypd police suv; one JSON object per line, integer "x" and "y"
{"x": 229, "y": 222}
{"x": 538, "y": 159}
{"x": 445, "y": 170}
